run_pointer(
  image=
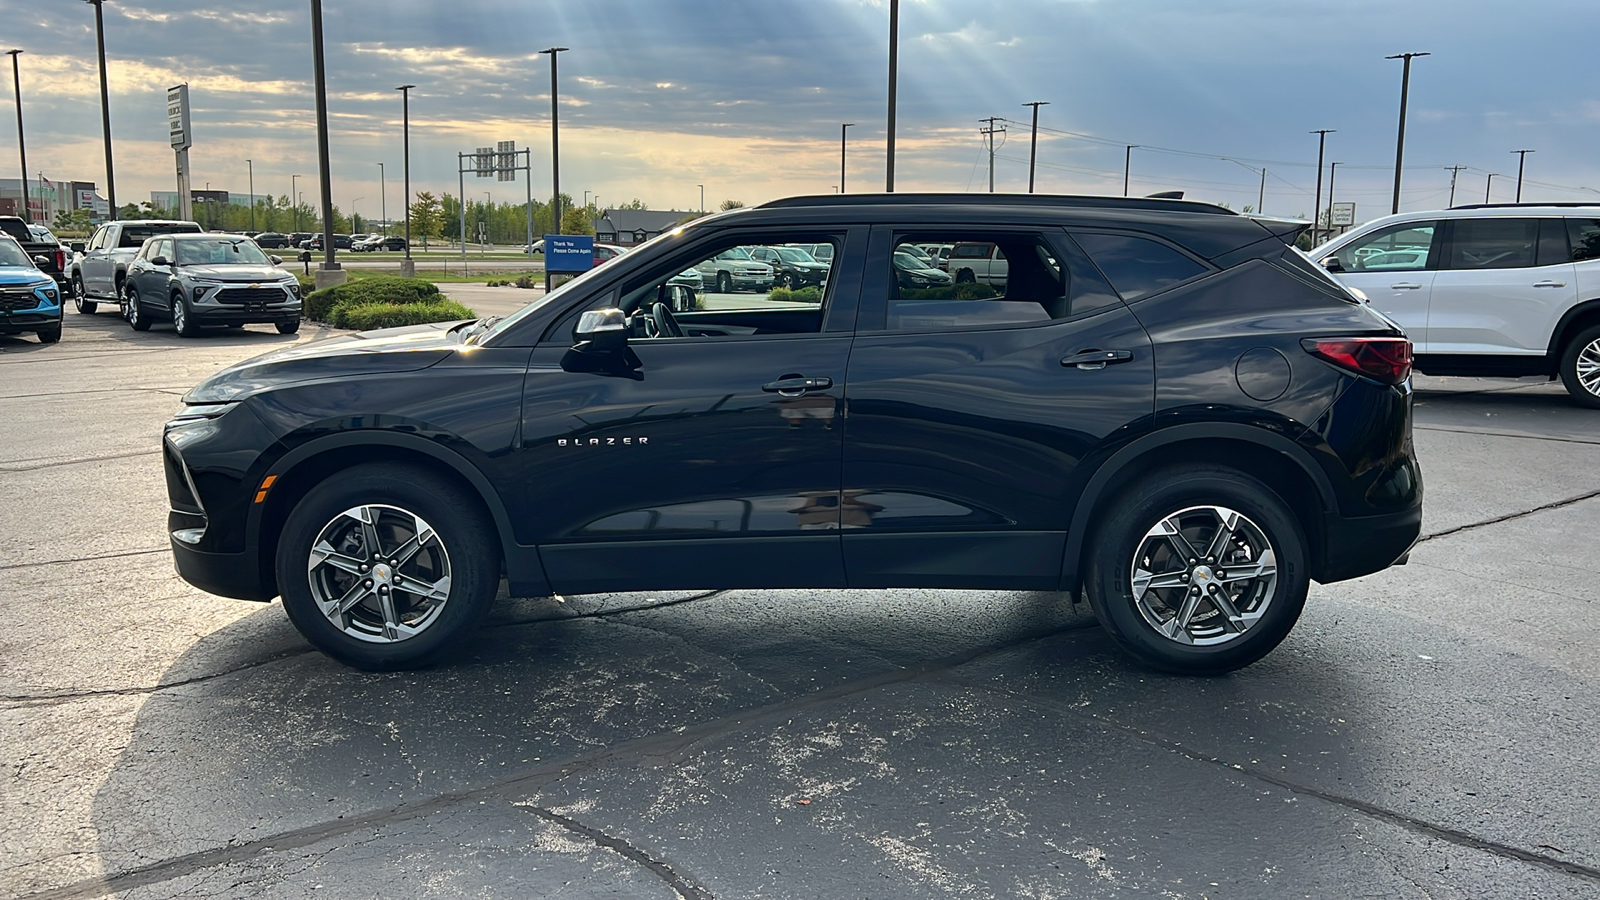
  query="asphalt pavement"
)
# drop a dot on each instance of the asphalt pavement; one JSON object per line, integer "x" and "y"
{"x": 1425, "y": 732}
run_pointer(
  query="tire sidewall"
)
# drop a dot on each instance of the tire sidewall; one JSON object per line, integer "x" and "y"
{"x": 468, "y": 537}
{"x": 1112, "y": 547}
{"x": 1569, "y": 368}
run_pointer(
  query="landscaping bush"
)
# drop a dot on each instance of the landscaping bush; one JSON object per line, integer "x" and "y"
{"x": 319, "y": 305}
{"x": 528, "y": 281}
{"x": 964, "y": 291}
{"x": 811, "y": 294}
{"x": 367, "y": 316}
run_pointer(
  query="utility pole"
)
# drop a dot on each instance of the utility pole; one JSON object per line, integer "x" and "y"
{"x": 1333, "y": 169}
{"x": 1261, "y": 200}
{"x": 383, "y": 202}
{"x": 894, "y": 76}
{"x": 990, "y": 132}
{"x": 328, "y": 273}
{"x": 841, "y": 154}
{"x": 22, "y": 145}
{"x": 1127, "y": 164}
{"x": 408, "y": 268}
{"x": 1322, "y": 139}
{"x": 1400, "y": 140}
{"x": 105, "y": 105}
{"x": 555, "y": 146}
{"x": 1522, "y": 157}
{"x": 1488, "y": 185}
{"x": 294, "y": 200}
{"x": 1033, "y": 143}
{"x": 252, "y": 166}
{"x": 702, "y": 198}
{"x": 1454, "y": 171}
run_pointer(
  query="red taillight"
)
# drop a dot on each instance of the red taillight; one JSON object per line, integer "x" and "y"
{"x": 61, "y": 260}
{"x": 1385, "y": 359}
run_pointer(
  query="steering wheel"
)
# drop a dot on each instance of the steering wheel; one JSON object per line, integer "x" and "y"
{"x": 666, "y": 325}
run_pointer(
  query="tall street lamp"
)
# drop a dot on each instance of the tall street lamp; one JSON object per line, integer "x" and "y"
{"x": 1127, "y": 165}
{"x": 1333, "y": 170}
{"x": 555, "y": 140}
{"x": 383, "y": 202}
{"x": 293, "y": 194}
{"x": 702, "y": 198}
{"x": 1488, "y": 185}
{"x": 1400, "y": 140}
{"x": 407, "y": 267}
{"x": 105, "y": 104}
{"x": 251, "y": 164}
{"x": 841, "y": 150}
{"x": 1522, "y": 157}
{"x": 1033, "y": 142}
{"x": 22, "y": 145}
{"x": 894, "y": 77}
{"x": 329, "y": 272}
{"x": 1316, "y": 211}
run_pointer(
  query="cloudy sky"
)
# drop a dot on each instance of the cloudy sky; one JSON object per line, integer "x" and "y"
{"x": 747, "y": 96}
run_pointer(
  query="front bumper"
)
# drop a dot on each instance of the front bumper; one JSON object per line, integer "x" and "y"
{"x": 236, "y": 304}
{"x": 236, "y": 575}
{"x": 17, "y": 314}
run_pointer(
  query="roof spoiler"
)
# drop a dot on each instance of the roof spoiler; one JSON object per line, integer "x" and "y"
{"x": 1286, "y": 230}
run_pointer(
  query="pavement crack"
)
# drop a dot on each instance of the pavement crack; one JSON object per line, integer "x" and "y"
{"x": 685, "y": 888}
{"x": 54, "y": 699}
{"x": 1508, "y": 434}
{"x": 1508, "y": 517}
{"x": 1371, "y": 810}
{"x": 34, "y": 467}
{"x": 77, "y": 559}
{"x": 603, "y": 613}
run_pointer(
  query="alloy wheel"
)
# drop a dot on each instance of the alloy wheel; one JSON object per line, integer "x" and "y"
{"x": 1588, "y": 367}
{"x": 1204, "y": 575}
{"x": 379, "y": 573}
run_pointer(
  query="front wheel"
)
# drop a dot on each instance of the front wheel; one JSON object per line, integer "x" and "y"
{"x": 289, "y": 327}
{"x": 49, "y": 335}
{"x": 386, "y": 566}
{"x": 80, "y": 298}
{"x": 1580, "y": 368}
{"x": 1198, "y": 570}
{"x": 183, "y": 318}
{"x": 724, "y": 283}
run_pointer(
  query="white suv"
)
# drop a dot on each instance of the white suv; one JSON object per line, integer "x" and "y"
{"x": 1495, "y": 289}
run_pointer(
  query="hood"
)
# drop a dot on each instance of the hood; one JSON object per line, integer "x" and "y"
{"x": 235, "y": 272}
{"x": 23, "y": 275}
{"x": 386, "y": 351}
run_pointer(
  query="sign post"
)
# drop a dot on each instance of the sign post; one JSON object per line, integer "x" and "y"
{"x": 182, "y": 139}
{"x": 503, "y": 161}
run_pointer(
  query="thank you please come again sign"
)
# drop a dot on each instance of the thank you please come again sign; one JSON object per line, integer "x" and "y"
{"x": 568, "y": 252}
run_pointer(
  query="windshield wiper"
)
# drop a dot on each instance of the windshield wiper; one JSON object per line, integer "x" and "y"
{"x": 472, "y": 329}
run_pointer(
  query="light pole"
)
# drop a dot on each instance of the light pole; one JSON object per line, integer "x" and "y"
{"x": 702, "y": 198}
{"x": 1522, "y": 157}
{"x": 1316, "y": 211}
{"x": 105, "y": 104}
{"x": 1488, "y": 185}
{"x": 408, "y": 268}
{"x": 294, "y": 198}
{"x": 353, "y": 214}
{"x": 894, "y": 77}
{"x": 1400, "y": 140}
{"x": 841, "y": 153}
{"x": 1127, "y": 166}
{"x": 383, "y": 202}
{"x": 555, "y": 143}
{"x": 251, "y": 165}
{"x": 1033, "y": 143}
{"x": 329, "y": 272}
{"x": 1333, "y": 170}
{"x": 488, "y": 209}
{"x": 22, "y": 145}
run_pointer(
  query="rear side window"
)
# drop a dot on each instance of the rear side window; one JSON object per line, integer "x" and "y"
{"x": 1135, "y": 266}
{"x": 16, "y": 230}
{"x": 1493, "y": 244}
{"x": 1585, "y": 237}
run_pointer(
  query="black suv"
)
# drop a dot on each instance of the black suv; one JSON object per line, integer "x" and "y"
{"x": 1169, "y": 411}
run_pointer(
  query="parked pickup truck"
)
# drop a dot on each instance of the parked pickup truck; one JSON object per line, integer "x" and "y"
{"x": 46, "y": 252}
{"x": 978, "y": 261}
{"x": 97, "y": 269}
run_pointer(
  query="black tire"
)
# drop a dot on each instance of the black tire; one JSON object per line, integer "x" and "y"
{"x": 289, "y": 327}
{"x": 49, "y": 335}
{"x": 724, "y": 283}
{"x": 138, "y": 318}
{"x": 465, "y": 540}
{"x": 183, "y": 317}
{"x": 80, "y": 300}
{"x": 965, "y": 276}
{"x": 1582, "y": 351}
{"x": 1185, "y": 495}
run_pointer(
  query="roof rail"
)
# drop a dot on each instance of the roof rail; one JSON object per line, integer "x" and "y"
{"x": 1076, "y": 201}
{"x": 1562, "y": 203}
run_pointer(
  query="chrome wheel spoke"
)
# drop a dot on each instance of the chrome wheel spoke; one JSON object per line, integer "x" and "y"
{"x": 1169, "y": 528}
{"x": 414, "y": 545}
{"x": 1232, "y": 620}
{"x": 1221, "y": 593}
{"x": 324, "y": 554}
{"x": 369, "y": 530}
{"x": 337, "y": 609}
{"x": 358, "y": 586}
{"x": 431, "y": 592}
{"x": 1227, "y": 521}
{"x": 1177, "y": 627}
{"x": 1145, "y": 581}
{"x": 1265, "y": 566}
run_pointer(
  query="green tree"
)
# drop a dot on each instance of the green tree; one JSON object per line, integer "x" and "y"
{"x": 576, "y": 221}
{"x": 427, "y": 217}
{"x": 732, "y": 204}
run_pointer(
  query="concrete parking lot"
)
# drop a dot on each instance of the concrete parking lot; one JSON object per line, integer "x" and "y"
{"x": 1425, "y": 732}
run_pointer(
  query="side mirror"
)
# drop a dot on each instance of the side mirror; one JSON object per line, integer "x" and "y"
{"x": 41, "y": 261}
{"x": 77, "y": 246}
{"x": 1332, "y": 264}
{"x": 276, "y": 260}
{"x": 602, "y": 331}
{"x": 679, "y": 297}
{"x": 160, "y": 261}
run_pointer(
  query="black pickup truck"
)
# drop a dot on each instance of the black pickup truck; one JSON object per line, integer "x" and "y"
{"x": 49, "y": 255}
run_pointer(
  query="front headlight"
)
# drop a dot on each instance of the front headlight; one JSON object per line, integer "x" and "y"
{"x": 196, "y": 411}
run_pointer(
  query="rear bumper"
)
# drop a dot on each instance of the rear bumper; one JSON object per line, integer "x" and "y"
{"x": 1362, "y": 545}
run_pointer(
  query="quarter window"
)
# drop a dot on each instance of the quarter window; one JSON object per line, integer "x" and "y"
{"x": 1493, "y": 243}
{"x": 1135, "y": 266}
{"x": 1585, "y": 237}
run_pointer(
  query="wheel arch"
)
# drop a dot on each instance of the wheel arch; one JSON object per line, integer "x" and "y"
{"x": 1279, "y": 463}
{"x": 1580, "y": 317}
{"x": 306, "y": 466}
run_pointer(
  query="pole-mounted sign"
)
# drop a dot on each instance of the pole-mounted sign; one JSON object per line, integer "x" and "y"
{"x": 182, "y": 140}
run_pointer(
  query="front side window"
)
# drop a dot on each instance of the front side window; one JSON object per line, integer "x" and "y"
{"x": 1137, "y": 266}
{"x": 1397, "y": 248}
{"x": 1493, "y": 243}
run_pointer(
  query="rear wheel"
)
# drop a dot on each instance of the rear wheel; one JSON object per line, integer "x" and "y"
{"x": 1198, "y": 570}
{"x": 386, "y": 566}
{"x": 1580, "y": 368}
{"x": 965, "y": 276}
{"x": 80, "y": 299}
{"x": 137, "y": 317}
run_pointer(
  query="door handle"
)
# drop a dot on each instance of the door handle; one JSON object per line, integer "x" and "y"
{"x": 1097, "y": 359}
{"x": 1549, "y": 284}
{"x": 1406, "y": 286}
{"x": 795, "y": 385}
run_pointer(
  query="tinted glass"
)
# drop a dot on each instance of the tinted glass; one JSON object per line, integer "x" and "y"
{"x": 1022, "y": 284}
{"x": 11, "y": 254}
{"x": 134, "y": 235}
{"x": 1493, "y": 243}
{"x": 1585, "y": 237}
{"x": 1397, "y": 248}
{"x": 1553, "y": 249}
{"x": 221, "y": 251}
{"x": 1135, "y": 266}
{"x": 15, "y": 229}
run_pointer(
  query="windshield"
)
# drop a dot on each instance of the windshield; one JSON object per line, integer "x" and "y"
{"x": 11, "y": 254}
{"x": 795, "y": 255}
{"x": 907, "y": 262}
{"x": 221, "y": 251}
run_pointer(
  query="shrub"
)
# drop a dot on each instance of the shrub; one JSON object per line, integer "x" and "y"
{"x": 811, "y": 294}
{"x": 319, "y": 305}
{"x": 370, "y": 315}
{"x": 527, "y": 281}
{"x": 964, "y": 291}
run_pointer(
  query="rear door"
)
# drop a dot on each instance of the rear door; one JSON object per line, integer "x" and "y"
{"x": 968, "y": 412}
{"x": 1502, "y": 285}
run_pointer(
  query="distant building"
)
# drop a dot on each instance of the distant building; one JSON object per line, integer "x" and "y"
{"x": 47, "y": 197}
{"x": 169, "y": 199}
{"x": 628, "y": 227}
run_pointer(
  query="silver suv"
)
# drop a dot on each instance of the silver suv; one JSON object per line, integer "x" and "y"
{"x": 1493, "y": 289}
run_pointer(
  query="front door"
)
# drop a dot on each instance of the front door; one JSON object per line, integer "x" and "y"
{"x": 969, "y": 412}
{"x": 1394, "y": 267}
{"x": 711, "y": 459}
